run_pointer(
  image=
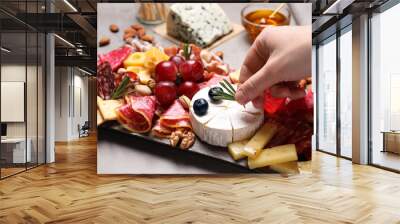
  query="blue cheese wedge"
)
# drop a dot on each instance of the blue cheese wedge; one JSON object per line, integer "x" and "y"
{"x": 197, "y": 23}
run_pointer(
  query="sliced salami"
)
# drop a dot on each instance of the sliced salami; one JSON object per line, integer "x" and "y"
{"x": 105, "y": 81}
{"x": 137, "y": 114}
{"x": 175, "y": 117}
{"x": 115, "y": 57}
{"x": 160, "y": 131}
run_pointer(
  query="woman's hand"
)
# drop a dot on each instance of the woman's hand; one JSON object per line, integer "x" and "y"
{"x": 279, "y": 57}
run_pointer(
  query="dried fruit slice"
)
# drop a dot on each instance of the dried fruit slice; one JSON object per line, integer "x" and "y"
{"x": 135, "y": 59}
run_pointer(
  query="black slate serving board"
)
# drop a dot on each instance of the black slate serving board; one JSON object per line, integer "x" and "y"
{"x": 199, "y": 148}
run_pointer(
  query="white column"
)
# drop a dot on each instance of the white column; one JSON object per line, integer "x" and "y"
{"x": 360, "y": 90}
{"x": 50, "y": 99}
{"x": 50, "y": 92}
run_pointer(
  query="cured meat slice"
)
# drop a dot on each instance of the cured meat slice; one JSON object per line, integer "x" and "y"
{"x": 105, "y": 81}
{"x": 115, "y": 57}
{"x": 175, "y": 117}
{"x": 213, "y": 81}
{"x": 161, "y": 131}
{"x": 176, "y": 123}
{"x": 137, "y": 115}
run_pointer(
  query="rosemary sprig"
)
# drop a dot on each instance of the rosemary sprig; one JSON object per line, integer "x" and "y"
{"x": 224, "y": 98}
{"x": 228, "y": 94}
{"x": 230, "y": 86}
{"x": 121, "y": 88}
{"x": 225, "y": 84}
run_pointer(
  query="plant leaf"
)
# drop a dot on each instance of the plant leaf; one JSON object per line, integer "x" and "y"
{"x": 224, "y": 98}
{"x": 225, "y": 94}
{"x": 229, "y": 85}
{"x": 121, "y": 88}
{"x": 226, "y": 88}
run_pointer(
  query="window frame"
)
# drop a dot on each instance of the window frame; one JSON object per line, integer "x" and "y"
{"x": 334, "y": 37}
{"x": 378, "y": 10}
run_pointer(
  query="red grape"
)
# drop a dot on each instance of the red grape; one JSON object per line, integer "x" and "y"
{"x": 166, "y": 71}
{"x": 188, "y": 89}
{"x": 192, "y": 70}
{"x": 178, "y": 60}
{"x": 165, "y": 92}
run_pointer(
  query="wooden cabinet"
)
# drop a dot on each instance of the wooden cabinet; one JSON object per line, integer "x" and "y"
{"x": 391, "y": 141}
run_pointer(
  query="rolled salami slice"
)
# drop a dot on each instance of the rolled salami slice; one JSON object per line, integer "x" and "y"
{"x": 137, "y": 114}
{"x": 175, "y": 117}
{"x": 160, "y": 131}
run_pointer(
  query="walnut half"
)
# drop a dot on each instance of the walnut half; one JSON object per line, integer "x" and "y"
{"x": 175, "y": 137}
{"x": 188, "y": 139}
{"x": 185, "y": 137}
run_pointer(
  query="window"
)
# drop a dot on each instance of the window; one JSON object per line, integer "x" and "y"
{"x": 385, "y": 89}
{"x": 327, "y": 95}
{"x": 22, "y": 75}
{"x": 346, "y": 92}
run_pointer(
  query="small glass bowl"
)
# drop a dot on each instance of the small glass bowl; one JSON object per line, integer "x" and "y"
{"x": 252, "y": 28}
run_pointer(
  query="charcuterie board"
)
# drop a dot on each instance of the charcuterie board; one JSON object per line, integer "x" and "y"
{"x": 199, "y": 147}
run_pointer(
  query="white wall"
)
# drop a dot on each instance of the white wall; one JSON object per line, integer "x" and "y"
{"x": 61, "y": 103}
{"x": 16, "y": 73}
{"x": 70, "y": 83}
{"x": 33, "y": 127}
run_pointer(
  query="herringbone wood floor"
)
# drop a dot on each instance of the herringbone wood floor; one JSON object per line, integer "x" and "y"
{"x": 69, "y": 191}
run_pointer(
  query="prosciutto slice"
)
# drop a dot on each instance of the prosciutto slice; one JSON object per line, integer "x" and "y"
{"x": 137, "y": 114}
{"x": 175, "y": 117}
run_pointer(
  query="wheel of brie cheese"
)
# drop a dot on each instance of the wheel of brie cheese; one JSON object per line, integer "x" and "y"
{"x": 225, "y": 121}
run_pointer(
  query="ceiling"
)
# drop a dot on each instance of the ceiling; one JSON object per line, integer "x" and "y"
{"x": 76, "y": 21}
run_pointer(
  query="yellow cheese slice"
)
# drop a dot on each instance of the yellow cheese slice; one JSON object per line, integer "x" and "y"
{"x": 286, "y": 168}
{"x": 275, "y": 155}
{"x": 260, "y": 140}
{"x": 236, "y": 149}
{"x": 100, "y": 119}
{"x": 107, "y": 108}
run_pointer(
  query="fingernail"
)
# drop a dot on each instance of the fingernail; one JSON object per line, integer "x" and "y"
{"x": 240, "y": 97}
